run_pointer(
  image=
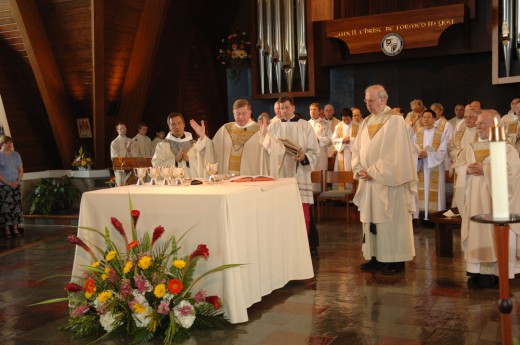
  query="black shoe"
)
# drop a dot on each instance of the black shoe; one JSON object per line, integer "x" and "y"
{"x": 393, "y": 268}
{"x": 426, "y": 223}
{"x": 483, "y": 281}
{"x": 372, "y": 265}
{"x": 314, "y": 251}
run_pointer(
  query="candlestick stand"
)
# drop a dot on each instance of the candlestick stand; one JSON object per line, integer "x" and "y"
{"x": 505, "y": 303}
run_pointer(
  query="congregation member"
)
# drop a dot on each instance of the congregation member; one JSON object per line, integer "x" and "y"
{"x": 382, "y": 162}
{"x": 122, "y": 146}
{"x": 473, "y": 195}
{"x": 431, "y": 148}
{"x": 341, "y": 141}
{"x": 179, "y": 149}
{"x": 465, "y": 135}
{"x": 510, "y": 122}
{"x": 323, "y": 133}
{"x": 237, "y": 146}
{"x": 298, "y": 164}
{"x": 159, "y": 136}
{"x": 277, "y": 112}
{"x": 413, "y": 118}
{"x": 11, "y": 173}
{"x": 144, "y": 144}
{"x": 458, "y": 117}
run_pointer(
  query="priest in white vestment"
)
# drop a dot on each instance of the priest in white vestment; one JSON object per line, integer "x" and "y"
{"x": 299, "y": 163}
{"x": 431, "y": 148}
{"x": 122, "y": 146}
{"x": 341, "y": 141}
{"x": 179, "y": 149}
{"x": 473, "y": 195}
{"x": 382, "y": 162}
{"x": 237, "y": 146}
{"x": 510, "y": 122}
{"x": 323, "y": 133}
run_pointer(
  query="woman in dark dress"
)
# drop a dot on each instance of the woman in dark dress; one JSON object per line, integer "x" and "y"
{"x": 11, "y": 172}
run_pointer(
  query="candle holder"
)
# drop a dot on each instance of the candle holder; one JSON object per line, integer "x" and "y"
{"x": 505, "y": 303}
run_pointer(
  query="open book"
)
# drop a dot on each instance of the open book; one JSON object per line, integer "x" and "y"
{"x": 248, "y": 178}
{"x": 291, "y": 148}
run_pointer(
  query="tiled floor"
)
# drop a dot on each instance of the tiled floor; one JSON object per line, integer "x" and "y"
{"x": 428, "y": 304}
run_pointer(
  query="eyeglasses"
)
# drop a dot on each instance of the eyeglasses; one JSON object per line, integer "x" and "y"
{"x": 371, "y": 100}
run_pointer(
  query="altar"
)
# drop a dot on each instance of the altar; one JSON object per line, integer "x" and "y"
{"x": 258, "y": 224}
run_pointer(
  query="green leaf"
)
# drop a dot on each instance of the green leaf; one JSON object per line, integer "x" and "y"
{"x": 216, "y": 269}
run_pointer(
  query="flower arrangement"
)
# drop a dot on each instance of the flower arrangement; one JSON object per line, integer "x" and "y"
{"x": 82, "y": 159}
{"x": 142, "y": 291}
{"x": 235, "y": 53}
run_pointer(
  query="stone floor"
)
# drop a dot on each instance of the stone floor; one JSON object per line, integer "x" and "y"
{"x": 428, "y": 304}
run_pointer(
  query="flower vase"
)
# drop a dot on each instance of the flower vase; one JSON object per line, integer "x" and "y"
{"x": 82, "y": 168}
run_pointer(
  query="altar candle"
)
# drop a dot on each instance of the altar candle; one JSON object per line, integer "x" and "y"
{"x": 499, "y": 192}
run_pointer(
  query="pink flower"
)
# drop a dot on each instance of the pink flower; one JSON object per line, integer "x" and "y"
{"x": 199, "y": 296}
{"x": 201, "y": 250}
{"x": 141, "y": 283}
{"x": 79, "y": 311}
{"x": 163, "y": 308}
{"x": 126, "y": 288}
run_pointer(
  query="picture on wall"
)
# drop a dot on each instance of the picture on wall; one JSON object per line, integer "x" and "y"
{"x": 84, "y": 128}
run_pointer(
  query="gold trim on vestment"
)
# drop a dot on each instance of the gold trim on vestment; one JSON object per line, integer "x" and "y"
{"x": 512, "y": 127}
{"x": 480, "y": 150}
{"x": 239, "y": 136}
{"x": 355, "y": 129}
{"x": 379, "y": 122}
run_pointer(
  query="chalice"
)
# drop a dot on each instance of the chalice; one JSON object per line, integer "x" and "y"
{"x": 178, "y": 173}
{"x": 141, "y": 174}
{"x": 154, "y": 173}
{"x": 212, "y": 169}
{"x": 166, "y": 174}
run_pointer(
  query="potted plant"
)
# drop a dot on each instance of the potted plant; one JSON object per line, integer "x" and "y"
{"x": 53, "y": 196}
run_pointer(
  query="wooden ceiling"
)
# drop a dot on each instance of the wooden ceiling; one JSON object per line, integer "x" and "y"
{"x": 102, "y": 60}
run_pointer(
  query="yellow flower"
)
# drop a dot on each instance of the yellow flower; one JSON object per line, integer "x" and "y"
{"x": 138, "y": 308}
{"x": 107, "y": 270}
{"x": 88, "y": 294}
{"x": 128, "y": 267}
{"x": 111, "y": 255}
{"x": 179, "y": 264}
{"x": 145, "y": 262}
{"x": 104, "y": 276}
{"x": 96, "y": 264}
{"x": 88, "y": 160}
{"x": 83, "y": 163}
{"x": 159, "y": 290}
{"x": 104, "y": 296}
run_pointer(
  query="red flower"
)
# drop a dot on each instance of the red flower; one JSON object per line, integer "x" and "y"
{"x": 90, "y": 285}
{"x": 174, "y": 286}
{"x": 135, "y": 216}
{"x": 73, "y": 287}
{"x": 213, "y": 300}
{"x": 119, "y": 227}
{"x": 157, "y": 232}
{"x": 77, "y": 241}
{"x": 201, "y": 250}
{"x": 131, "y": 244}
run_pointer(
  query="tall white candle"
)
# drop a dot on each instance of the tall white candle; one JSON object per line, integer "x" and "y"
{"x": 499, "y": 192}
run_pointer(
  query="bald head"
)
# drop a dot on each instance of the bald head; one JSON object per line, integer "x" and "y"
{"x": 485, "y": 121}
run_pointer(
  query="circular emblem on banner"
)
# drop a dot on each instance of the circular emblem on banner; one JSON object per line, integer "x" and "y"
{"x": 392, "y": 44}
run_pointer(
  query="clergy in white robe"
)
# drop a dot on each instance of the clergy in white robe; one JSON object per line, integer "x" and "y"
{"x": 293, "y": 150}
{"x": 431, "y": 148}
{"x": 382, "y": 162}
{"x": 323, "y": 133}
{"x": 179, "y": 149}
{"x": 458, "y": 119}
{"x": 474, "y": 193}
{"x": 237, "y": 146}
{"x": 510, "y": 122}
{"x": 328, "y": 114}
{"x": 122, "y": 146}
{"x": 341, "y": 141}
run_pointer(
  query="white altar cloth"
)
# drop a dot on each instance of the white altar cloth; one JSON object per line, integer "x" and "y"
{"x": 259, "y": 224}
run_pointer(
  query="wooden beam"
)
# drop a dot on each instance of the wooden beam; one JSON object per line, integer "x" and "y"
{"x": 97, "y": 9}
{"x": 138, "y": 76}
{"x": 47, "y": 75}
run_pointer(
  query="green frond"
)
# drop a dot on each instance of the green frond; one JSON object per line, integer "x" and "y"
{"x": 50, "y": 301}
{"x": 215, "y": 321}
{"x": 142, "y": 335}
{"x": 216, "y": 269}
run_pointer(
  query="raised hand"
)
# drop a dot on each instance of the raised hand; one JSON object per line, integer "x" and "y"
{"x": 199, "y": 129}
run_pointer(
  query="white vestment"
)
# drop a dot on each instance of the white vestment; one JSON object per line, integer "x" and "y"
{"x": 166, "y": 151}
{"x": 281, "y": 164}
{"x": 144, "y": 146}
{"x": 118, "y": 148}
{"x": 510, "y": 123}
{"x": 382, "y": 148}
{"x": 474, "y": 192}
{"x": 333, "y": 122}
{"x": 222, "y": 148}
{"x": 323, "y": 132}
{"x": 434, "y": 161}
{"x": 344, "y": 155}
